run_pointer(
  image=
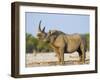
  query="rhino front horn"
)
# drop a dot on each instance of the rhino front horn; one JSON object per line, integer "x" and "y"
{"x": 39, "y": 26}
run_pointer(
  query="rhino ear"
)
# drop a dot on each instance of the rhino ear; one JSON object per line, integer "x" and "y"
{"x": 39, "y": 26}
{"x": 50, "y": 32}
{"x": 43, "y": 29}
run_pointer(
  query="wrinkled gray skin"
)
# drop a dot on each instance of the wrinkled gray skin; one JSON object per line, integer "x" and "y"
{"x": 63, "y": 43}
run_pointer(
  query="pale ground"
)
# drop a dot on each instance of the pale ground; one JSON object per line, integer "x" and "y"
{"x": 48, "y": 59}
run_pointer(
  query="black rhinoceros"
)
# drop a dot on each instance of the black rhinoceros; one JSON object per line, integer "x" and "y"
{"x": 63, "y": 43}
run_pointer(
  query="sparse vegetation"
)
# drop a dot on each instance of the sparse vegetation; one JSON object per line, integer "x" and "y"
{"x": 88, "y": 40}
{"x": 33, "y": 44}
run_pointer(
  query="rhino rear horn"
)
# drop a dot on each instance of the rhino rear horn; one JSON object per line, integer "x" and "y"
{"x": 43, "y": 29}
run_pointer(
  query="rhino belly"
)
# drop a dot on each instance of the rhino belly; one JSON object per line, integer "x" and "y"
{"x": 71, "y": 48}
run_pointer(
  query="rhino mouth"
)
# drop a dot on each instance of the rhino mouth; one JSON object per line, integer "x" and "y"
{"x": 47, "y": 41}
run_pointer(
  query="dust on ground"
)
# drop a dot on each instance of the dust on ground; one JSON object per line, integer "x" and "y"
{"x": 50, "y": 59}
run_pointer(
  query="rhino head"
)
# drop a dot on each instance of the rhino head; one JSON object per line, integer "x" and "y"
{"x": 50, "y": 37}
{"x": 46, "y": 37}
{"x": 41, "y": 32}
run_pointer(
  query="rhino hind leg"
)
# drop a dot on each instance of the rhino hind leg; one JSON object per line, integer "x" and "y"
{"x": 81, "y": 54}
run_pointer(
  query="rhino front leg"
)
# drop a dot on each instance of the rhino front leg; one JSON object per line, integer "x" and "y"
{"x": 61, "y": 50}
{"x": 58, "y": 55}
{"x": 56, "y": 50}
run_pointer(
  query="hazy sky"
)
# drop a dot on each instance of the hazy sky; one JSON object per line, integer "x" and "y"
{"x": 68, "y": 23}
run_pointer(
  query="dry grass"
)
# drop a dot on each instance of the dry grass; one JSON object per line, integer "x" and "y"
{"x": 49, "y": 59}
